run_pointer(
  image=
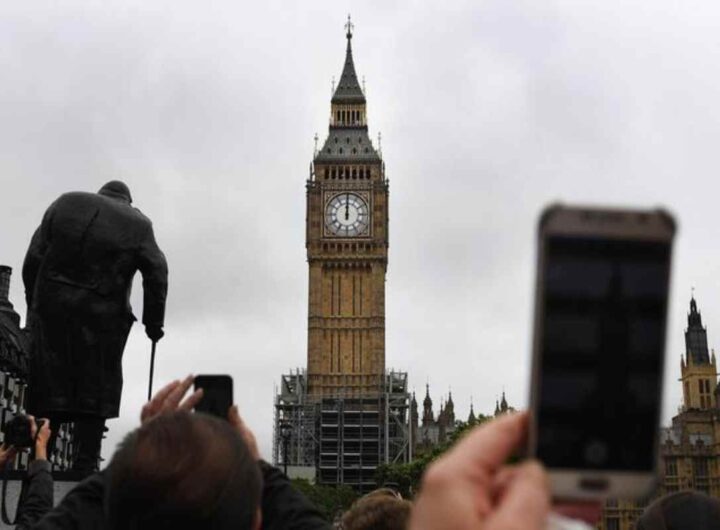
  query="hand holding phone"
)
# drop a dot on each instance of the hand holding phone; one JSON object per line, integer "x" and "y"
{"x": 598, "y": 349}
{"x": 217, "y": 394}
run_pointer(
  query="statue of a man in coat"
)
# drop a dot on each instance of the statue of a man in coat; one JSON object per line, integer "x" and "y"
{"x": 78, "y": 274}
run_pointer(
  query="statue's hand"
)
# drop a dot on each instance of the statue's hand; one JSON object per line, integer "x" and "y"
{"x": 154, "y": 333}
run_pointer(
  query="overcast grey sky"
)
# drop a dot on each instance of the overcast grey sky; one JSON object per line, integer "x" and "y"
{"x": 488, "y": 110}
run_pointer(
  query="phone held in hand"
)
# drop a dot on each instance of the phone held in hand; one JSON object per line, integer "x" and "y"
{"x": 217, "y": 394}
{"x": 599, "y": 349}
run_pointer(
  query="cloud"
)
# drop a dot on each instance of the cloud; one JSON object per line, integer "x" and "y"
{"x": 487, "y": 111}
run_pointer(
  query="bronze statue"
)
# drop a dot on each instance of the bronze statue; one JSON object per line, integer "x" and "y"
{"x": 78, "y": 275}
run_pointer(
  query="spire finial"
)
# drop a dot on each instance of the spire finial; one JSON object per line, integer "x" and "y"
{"x": 692, "y": 292}
{"x": 363, "y": 81}
{"x": 380, "y": 142}
{"x": 332, "y": 90}
{"x": 316, "y": 142}
{"x": 349, "y": 26}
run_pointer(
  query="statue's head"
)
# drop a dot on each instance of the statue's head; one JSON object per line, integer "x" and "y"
{"x": 117, "y": 190}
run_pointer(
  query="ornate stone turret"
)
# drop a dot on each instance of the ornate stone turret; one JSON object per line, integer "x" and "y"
{"x": 696, "y": 343}
{"x": 428, "y": 416}
{"x": 471, "y": 416}
{"x": 697, "y": 368}
{"x": 450, "y": 410}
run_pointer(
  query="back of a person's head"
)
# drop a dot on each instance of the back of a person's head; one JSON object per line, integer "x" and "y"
{"x": 686, "y": 510}
{"x": 381, "y": 509}
{"x": 183, "y": 470}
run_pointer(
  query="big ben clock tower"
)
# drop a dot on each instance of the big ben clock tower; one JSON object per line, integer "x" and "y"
{"x": 347, "y": 249}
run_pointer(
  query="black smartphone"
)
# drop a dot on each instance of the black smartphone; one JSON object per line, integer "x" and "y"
{"x": 599, "y": 348}
{"x": 217, "y": 394}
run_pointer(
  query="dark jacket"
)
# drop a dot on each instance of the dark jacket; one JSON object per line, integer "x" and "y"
{"x": 283, "y": 507}
{"x": 37, "y": 498}
{"x": 78, "y": 274}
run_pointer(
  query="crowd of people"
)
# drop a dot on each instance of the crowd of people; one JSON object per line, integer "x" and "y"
{"x": 181, "y": 470}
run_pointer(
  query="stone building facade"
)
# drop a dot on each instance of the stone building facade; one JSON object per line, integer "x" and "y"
{"x": 690, "y": 447}
{"x": 346, "y": 413}
{"x": 347, "y": 249}
{"x": 14, "y": 351}
{"x": 430, "y": 430}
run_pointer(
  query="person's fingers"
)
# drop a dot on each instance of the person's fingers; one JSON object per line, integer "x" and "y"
{"x": 501, "y": 482}
{"x": 246, "y": 434}
{"x": 234, "y": 417}
{"x": 162, "y": 394}
{"x": 8, "y": 456}
{"x": 192, "y": 400}
{"x": 525, "y": 503}
{"x": 173, "y": 399}
{"x": 488, "y": 446}
{"x": 33, "y": 426}
{"x": 152, "y": 407}
{"x": 45, "y": 431}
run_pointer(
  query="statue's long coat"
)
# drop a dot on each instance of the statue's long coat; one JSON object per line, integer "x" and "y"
{"x": 78, "y": 274}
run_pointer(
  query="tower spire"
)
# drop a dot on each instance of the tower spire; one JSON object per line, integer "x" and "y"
{"x": 349, "y": 27}
{"x": 348, "y": 89}
{"x": 696, "y": 346}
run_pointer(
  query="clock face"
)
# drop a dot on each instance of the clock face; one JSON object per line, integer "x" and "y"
{"x": 346, "y": 215}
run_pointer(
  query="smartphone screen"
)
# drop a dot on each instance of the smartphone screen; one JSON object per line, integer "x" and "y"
{"x": 602, "y": 352}
{"x": 217, "y": 394}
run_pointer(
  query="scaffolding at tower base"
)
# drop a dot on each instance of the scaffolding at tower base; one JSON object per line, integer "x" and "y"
{"x": 343, "y": 437}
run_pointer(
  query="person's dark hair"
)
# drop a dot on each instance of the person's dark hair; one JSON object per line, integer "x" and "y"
{"x": 382, "y": 509}
{"x": 686, "y": 510}
{"x": 183, "y": 470}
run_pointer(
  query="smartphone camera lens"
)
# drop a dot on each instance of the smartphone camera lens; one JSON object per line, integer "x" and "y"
{"x": 596, "y": 452}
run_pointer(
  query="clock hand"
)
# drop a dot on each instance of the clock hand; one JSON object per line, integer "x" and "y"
{"x": 347, "y": 205}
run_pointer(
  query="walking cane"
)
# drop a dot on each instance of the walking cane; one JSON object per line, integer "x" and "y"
{"x": 152, "y": 369}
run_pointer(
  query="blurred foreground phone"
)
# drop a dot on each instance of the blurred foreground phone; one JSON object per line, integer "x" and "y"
{"x": 598, "y": 349}
{"x": 217, "y": 394}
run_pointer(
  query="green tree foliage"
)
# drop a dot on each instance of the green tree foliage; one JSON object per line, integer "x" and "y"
{"x": 406, "y": 477}
{"x": 330, "y": 500}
